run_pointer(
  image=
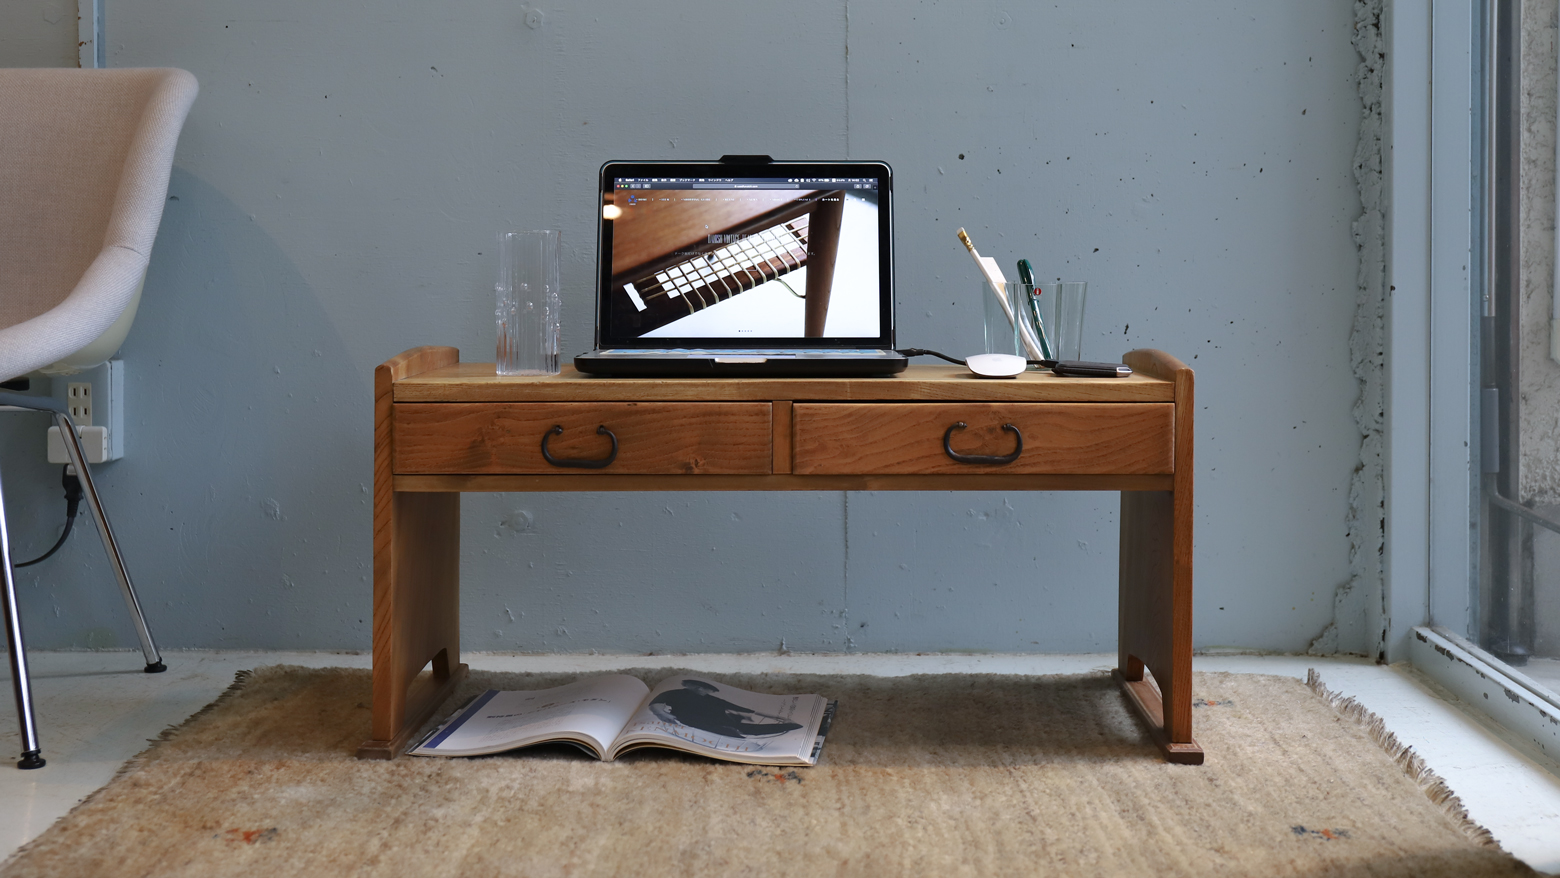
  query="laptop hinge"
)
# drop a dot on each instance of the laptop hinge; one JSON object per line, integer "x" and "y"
{"x": 745, "y": 160}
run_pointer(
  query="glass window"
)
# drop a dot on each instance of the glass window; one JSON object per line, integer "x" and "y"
{"x": 1517, "y": 611}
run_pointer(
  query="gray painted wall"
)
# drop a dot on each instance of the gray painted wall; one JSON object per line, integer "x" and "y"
{"x": 346, "y": 166}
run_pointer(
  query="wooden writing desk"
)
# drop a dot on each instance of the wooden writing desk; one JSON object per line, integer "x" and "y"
{"x": 442, "y": 427}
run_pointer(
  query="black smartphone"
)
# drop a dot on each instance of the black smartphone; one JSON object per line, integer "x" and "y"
{"x": 1085, "y": 369}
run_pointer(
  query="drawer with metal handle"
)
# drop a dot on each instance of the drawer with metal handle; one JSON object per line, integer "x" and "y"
{"x": 934, "y": 438}
{"x": 583, "y": 438}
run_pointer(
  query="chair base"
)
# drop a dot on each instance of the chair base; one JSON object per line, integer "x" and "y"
{"x": 15, "y": 647}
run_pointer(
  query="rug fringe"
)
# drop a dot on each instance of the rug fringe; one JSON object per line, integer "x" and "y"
{"x": 240, "y": 679}
{"x": 1412, "y": 763}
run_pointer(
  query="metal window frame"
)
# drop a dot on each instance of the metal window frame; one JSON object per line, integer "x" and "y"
{"x": 1433, "y": 172}
{"x": 90, "y": 49}
{"x": 1447, "y": 236}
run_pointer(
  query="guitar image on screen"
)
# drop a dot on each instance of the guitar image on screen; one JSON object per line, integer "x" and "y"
{"x": 676, "y": 252}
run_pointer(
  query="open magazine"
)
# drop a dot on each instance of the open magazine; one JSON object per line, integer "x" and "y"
{"x": 610, "y": 715}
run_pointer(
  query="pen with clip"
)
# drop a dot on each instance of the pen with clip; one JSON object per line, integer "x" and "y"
{"x": 1026, "y": 276}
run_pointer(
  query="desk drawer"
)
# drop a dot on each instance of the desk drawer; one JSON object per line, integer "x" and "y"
{"x": 651, "y": 437}
{"x": 908, "y": 438}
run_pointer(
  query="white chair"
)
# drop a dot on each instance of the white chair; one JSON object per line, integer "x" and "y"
{"x": 84, "y": 162}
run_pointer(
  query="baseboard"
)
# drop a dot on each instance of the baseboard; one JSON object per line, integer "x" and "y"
{"x": 1507, "y": 697}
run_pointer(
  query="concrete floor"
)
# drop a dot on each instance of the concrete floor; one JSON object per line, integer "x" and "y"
{"x": 97, "y": 709}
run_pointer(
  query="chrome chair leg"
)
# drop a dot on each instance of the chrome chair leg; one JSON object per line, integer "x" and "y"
{"x": 21, "y": 683}
{"x": 78, "y": 459}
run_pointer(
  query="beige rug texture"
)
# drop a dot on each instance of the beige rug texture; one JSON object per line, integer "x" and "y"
{"x": 928, "y": 775}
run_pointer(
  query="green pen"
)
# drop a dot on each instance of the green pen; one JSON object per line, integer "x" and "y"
{"x": 1026, "y": 274}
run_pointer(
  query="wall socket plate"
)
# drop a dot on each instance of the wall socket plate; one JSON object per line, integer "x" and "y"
{"x": 95, "y": 400}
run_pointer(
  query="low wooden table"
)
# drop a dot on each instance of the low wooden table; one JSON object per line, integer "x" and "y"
{"x": 442, "y": 427}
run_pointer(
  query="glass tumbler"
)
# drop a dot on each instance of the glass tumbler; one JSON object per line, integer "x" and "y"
{"x": 529, "y": 310}
{"x": 1059, "y": 305}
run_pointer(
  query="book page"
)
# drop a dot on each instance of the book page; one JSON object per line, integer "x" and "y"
{"x": 590, "y": 712}
{"x": 702, "y": 716}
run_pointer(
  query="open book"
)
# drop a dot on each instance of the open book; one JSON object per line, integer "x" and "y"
{"x": 610, "y": 715}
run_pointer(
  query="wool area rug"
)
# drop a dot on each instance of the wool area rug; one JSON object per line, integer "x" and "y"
{"x": 945, "y": 775}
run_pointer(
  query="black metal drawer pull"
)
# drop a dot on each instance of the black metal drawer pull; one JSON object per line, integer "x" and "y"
{"x": 992, "y": 459}
{"x": 581, "y": 463}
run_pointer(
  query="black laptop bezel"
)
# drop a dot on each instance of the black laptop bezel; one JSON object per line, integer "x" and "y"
{"x": 880, "y": 171}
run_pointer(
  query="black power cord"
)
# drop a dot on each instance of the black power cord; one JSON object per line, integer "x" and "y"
{"x": 1065, "y": 368}
{"x": 924, "y": 352}
{"x": 72, "y": 486}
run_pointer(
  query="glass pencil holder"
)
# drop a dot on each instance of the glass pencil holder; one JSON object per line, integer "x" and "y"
{"x": 1012, "y": 325}
{"x": 1001, "y": 331}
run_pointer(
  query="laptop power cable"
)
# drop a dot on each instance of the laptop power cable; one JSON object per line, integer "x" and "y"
{"x": 924, "y": 352}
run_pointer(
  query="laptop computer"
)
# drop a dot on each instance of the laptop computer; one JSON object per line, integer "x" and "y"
{"x": 744, "y": 267}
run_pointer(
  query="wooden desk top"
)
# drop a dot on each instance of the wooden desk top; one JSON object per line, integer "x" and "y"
{"x": 478, "y": 382}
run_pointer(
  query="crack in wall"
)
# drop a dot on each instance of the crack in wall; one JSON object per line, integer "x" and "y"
{"x": 847, "y": 79}
{"x": 850, "y": 642}
{"x": 1359, "y": 602}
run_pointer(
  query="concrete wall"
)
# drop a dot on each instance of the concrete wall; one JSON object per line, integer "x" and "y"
{"x": 38, "y": 34}
{"x": 346, "y": 166}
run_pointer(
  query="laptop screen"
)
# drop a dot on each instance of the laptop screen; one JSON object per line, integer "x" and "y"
{"x": 712, "y": 255}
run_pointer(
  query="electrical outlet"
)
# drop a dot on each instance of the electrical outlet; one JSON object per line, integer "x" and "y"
{"x": 94, "y": 400}
{"x": 78, "y": 402}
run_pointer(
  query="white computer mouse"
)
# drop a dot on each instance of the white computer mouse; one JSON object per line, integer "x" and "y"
{"x": 996, "y": 365}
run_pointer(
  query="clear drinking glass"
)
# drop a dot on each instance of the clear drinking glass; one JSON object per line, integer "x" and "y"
{"x": 529, "y": 310}
{"x": 1001, "y": 332}
{"x": 1059, "y": 306}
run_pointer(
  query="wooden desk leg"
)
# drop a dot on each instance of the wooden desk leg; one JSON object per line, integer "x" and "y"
{"x": 1155, "y": 627}
{"x": 1156, "y": 585}
{"x": 416, "y": 581}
